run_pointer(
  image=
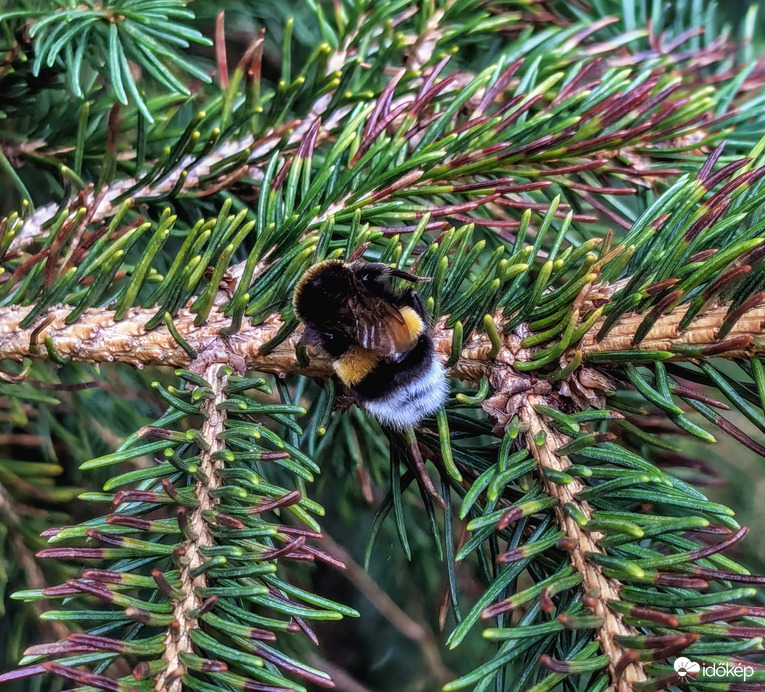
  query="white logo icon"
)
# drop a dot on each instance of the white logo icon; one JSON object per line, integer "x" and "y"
{"x": 684, "y": 666}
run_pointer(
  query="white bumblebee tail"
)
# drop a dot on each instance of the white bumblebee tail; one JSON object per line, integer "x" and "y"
{"x": 410, "y": 404}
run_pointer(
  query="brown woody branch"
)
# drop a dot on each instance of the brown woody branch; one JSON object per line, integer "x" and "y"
{"x": 666, "y": 333}
{"x": 97, "y": 338}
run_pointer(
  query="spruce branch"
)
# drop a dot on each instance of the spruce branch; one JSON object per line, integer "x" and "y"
{"x": 543, "y": 441}
{"x": 147, "y": 33}
{"x": 671, "y": 117}
{"x": 177, "y": 640}
{"x": 215, "y": 562}
{"x": 98, "y": 338}
{"x": 379, "y": 146}
{"x": 103, "y": 204}
{"x": 128, "y": 341}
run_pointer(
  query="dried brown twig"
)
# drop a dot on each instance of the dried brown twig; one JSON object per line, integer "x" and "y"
{"x": 411, "y": 629}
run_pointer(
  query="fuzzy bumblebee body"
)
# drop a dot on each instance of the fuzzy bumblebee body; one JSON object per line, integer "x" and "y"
{"x": 376, "y": 336}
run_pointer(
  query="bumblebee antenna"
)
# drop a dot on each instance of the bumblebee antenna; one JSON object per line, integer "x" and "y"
{"x": 406, "y": 276}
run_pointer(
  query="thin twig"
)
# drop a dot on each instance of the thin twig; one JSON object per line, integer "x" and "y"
{"x": 385, "y": 605}
{"x": 343, "y": 680}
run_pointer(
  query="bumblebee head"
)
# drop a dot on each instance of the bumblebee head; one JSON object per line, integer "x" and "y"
{"x": 320, "y": 289}
{"x": 377, "y": 272}
{"x": 356, "y": 303}
{"x": 328, "y": 284}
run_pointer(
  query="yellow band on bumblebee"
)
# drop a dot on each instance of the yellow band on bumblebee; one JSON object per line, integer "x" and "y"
{"x": 354, "y": 365}
{"x": 414, "y": 322}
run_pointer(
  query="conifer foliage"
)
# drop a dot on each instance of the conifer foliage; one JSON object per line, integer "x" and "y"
{"x": 583, "y": 184}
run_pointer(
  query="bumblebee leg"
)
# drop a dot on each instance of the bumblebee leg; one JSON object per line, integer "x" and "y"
{"x": 344, "y": 398}
{"x": 301, "y": 353}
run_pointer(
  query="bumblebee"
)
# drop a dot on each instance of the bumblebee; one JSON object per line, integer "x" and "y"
{"x": 376, "y": 336}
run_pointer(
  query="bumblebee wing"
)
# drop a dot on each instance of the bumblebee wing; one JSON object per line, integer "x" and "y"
{"x": 383, "y": 327}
